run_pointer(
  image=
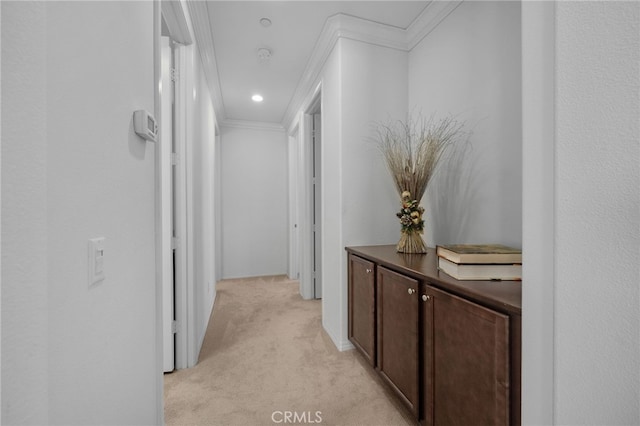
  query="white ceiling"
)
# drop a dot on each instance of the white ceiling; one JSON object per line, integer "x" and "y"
{"x": 236, "y": 36}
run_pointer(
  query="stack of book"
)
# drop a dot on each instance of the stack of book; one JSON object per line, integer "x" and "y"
{"x": 480, "y": 261}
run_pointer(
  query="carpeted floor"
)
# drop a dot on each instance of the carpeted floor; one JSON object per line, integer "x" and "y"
{"x": 265, "y": 354}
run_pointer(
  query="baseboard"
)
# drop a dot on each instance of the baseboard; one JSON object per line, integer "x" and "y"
{"x": 200, "y": 341}
{"x": 341, "y": 345}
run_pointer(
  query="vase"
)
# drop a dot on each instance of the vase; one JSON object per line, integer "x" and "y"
{"x": 411, "y": 242}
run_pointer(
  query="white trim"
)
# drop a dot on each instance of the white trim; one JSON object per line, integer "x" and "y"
{"x": 183, "y": 314}
{"x": 341, "y": 345}
{"x": 157, "y": 75}
{"x": 217, "y": 170}
{"x": 428, "y": 20}
{"x": 345, "y": 26}
{"x": 305, "y": 199}
{"x": 351, "y": 27}
{"x": 336, "y": 27}
{"x": 188, "y": 244}
{"x": 1, "y": 216}
{"x": 293, "y": 248}
{"x": 320, "y": 54}
{"x": 538, "y": 211}
{"x": 176, "y": 20}
{"x": 199, "y": 14}
{"x": 254, "y": 125}
{"x": 185, "y": 342}
{"x": 163, "y": 146}
{"x": 305, "y": 209}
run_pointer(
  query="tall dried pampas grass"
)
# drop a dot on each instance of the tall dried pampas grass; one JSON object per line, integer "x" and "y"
{"x": 412, "y": 151}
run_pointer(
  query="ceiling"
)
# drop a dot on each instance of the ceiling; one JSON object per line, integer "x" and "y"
{"x": 235, "y": 34}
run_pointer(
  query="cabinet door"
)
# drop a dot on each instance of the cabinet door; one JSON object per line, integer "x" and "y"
{"x": 398, "y": 334}
{"x": 466, "y": 362}
{"x": 362, "y": 303}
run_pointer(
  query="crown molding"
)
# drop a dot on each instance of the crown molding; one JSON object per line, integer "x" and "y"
{"x": 252, "y": 125}
{"x": 350, "y": 27}
{"x": 199, "y": 14}
{"x": 428, "y": 20}
{"x": 336, "y": 27}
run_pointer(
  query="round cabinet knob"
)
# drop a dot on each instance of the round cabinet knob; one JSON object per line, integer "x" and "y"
{"x": 368, "y": 271}
{"x": 425, "y": 297}
{"x": 411, "y": 291}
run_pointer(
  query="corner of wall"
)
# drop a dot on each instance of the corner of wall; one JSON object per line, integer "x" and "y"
{"x": 341, "y": 344}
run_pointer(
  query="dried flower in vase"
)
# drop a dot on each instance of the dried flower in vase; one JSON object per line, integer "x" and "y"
{"x": 412, "y": 151}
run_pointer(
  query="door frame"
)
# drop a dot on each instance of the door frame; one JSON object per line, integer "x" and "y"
{"x": 294, "y": 235}
{"x": 185, "y": 343}
{"x": 305, "y": 193}
{"x": 165, "y": 148}
{"x": 316, "y": 155}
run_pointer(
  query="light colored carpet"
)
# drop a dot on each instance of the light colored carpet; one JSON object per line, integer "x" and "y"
{"x": 265, "y": 353}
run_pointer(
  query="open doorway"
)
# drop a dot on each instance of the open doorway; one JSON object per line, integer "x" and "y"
{"x": 294, "y": 237}
{"x": 317, "y": 204}
{"x": 313, "y": 138}
{"x": 172, "y": 189}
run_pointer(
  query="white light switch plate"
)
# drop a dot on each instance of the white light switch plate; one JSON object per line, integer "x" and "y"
{"x": 96, "y": 260}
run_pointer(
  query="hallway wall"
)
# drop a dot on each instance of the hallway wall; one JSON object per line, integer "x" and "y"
{"x": 361, "y": 84}
{"x": 470, "y": 67}
{"x": 202, "y": 157}
{"x": 254, "y": 202}
{"x": 73, "y": 169}
{"x": 597, "y": 214}
{"x": 25, "y": 390}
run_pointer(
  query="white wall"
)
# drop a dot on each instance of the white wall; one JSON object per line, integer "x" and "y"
{"x": 469, "y": 67}
{"x": 597, "y": 216}
{"x": 538, "y": 233}
{"x": 0, "y": 221}
{"x": 254, "y": 202}
{"x": 581, "y": 320}
{"x": 25, "y": 390}
{"x": 201, "y": 150}
{"x": 361, "y": 84}
{"x": 73, "y": 169}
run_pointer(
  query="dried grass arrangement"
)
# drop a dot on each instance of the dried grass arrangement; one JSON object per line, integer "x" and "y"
{"x": 412, "y": 151}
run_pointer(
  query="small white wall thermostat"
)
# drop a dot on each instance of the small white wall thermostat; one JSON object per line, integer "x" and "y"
{"x": 145, "y": 125}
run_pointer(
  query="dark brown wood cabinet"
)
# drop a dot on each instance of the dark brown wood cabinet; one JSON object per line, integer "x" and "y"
{"x": 362, "y": 309}
{"x": 466, "y": 362}
{"x": 449, "y": 349}
{"x": 397, "y": 323}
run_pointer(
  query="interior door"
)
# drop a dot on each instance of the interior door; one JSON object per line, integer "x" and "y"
{"x": 167, "y": 202}
{"x": 317, "y": 203}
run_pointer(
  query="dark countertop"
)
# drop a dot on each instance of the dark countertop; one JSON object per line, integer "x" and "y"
{"x": 504, "y": 296}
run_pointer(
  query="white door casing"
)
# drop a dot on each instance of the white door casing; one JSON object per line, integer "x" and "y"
{"x": 175, "y": 16}
{"x": 317, "y": 204}
{"x": 166, "y": 195}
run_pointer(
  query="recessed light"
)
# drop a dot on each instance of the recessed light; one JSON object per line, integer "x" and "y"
{"x": 257, "y": 98}
{"x": 265, "y": 22}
